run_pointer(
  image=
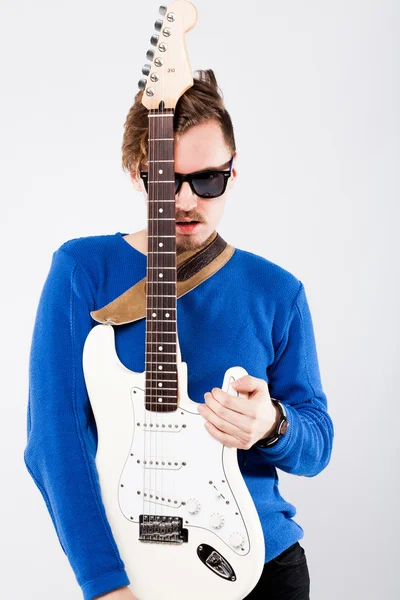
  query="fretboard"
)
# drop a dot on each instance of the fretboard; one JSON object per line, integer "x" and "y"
{"x": 161, "y": 358}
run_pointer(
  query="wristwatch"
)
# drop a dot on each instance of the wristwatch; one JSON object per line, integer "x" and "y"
{"x": 280, "y": 429}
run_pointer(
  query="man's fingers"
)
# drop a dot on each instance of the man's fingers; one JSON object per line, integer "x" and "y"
{"x": 248, "y": 383}
{"x": 240, "y": 405}
{"x": 224, "y": 438}
{"x": 227, "y": 420}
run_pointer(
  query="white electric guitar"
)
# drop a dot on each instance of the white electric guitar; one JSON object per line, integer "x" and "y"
{"x": 178, "y": 506}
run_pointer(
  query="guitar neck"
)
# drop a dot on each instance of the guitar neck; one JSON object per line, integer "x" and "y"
{"x": 161, "y": 331}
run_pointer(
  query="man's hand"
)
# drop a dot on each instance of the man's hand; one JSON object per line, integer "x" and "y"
{"x": 240, "y": 422}
{"x": 120, "y": 594}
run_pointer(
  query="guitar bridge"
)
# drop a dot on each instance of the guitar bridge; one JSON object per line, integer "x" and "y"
{"x": 162, "y": 530}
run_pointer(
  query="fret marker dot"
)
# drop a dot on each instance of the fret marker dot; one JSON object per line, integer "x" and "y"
{"x": 159, "y": 399}
{"x": 160, "y": 244}
{"x": 154, "y": 314}
{"x": 160, "y": 210}
{"x": 160, "y": 367}
{"x": 160, "y": 347}
{"x": 160, "y": 385}
{"x": 160, "y": 171}
{"x": 167, "y": 315}
{"x": 160, "y": 275}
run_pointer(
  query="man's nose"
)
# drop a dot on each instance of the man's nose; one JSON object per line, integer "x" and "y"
{"x": 186, "y": 199}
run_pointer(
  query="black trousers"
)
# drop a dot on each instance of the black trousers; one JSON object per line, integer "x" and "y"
{"x": 285, "y": 577}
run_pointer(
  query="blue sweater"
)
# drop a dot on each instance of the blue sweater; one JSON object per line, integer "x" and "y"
{"x": 251, "y": 313}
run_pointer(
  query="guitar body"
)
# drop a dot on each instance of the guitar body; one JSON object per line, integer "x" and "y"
{"x": 168, "y": 466}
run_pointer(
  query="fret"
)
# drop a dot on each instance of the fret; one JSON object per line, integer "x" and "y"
{"x": 160, "y": 362}
{"x": 161, "y": 267}
{"x": 161, "y": 351}
{"x": 159, "y": 139}
{"x": 161, "y": 252}
{"x": 157, "y": 404}
{"x": 163, "y": 320}
{"x": 157, "y": 200}
{"x": 164, "y": 236}
{"x": 168, "y": 332}
{"x": 156, "y": 362}
{"x": 151, "y": 330}
{"x": 163, "y": 380}
{"x": 160, "y": 115}
{"x": 161, "y": 389}
{"x": 161, "y": 181}
{"x": 164, "y": 372}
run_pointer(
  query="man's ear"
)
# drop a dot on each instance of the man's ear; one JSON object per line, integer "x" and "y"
{"x": 233, "y": 176}
{"x": 137, "y": 181}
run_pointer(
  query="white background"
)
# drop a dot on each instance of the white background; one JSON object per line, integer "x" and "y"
{"x": 313, "y": 91}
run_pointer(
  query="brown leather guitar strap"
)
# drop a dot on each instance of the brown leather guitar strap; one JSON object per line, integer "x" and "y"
{"x": 192, "y": 269}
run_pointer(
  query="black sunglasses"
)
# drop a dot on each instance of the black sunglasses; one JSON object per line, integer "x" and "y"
{"x": 206, "y": 184}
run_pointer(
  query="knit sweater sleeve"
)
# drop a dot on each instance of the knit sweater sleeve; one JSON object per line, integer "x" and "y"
{"x": 61, "y": 447}
{"x": 294, "y": 379}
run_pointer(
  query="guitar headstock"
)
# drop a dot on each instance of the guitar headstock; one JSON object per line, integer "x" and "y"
{"x": 169, "y": 72}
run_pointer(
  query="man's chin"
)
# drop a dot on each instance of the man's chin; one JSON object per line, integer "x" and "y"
{"x": 188, "y": 242}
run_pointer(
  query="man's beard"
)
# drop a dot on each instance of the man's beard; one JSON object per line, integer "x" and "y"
{"x": 190, "y": 244}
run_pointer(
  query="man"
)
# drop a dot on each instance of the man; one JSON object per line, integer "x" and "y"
{"x": 251, "y": 313}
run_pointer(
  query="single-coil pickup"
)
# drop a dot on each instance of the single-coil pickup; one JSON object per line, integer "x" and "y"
{"x": 161, "y": 427}
{"x": 160, "y": 498}
{"x": 171, "y": 464}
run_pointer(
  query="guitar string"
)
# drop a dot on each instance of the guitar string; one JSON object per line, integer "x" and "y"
{"x": 148, "y": 302}
{"x": 159, "y": 298}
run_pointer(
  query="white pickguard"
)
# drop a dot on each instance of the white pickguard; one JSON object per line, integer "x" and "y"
{"x": 200, "y": 482}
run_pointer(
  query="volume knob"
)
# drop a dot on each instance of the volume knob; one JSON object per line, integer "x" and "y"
{"x": 193, "y": 506}
{"x": 236, "y": 539}
{"x": 216, "y": 520}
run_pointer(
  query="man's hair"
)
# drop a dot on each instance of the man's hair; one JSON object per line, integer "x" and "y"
{"x": 201, "y": 103}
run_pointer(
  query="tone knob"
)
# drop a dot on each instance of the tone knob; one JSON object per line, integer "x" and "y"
{"x": 154, "y": 39}
{"x": 158, "y": 25}
{"x": 150, "y": 54}
{"x": 236, "y": 539}
{"x": 162, "y": 10}
{"x": 142, "y": 84}
{"x": 193, "y": 506}
{"x": 216, "y": 520}
{"x": 146, "y": 69}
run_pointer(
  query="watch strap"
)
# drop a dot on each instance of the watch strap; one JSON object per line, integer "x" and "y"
{"x": 280, "y": 429}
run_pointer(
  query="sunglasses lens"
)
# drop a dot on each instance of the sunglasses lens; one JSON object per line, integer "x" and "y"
{"x": 210, "y": 185}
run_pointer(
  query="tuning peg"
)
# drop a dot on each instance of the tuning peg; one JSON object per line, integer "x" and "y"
{"x": 162, "y": 10}
{"x": 158, "y": 25}
{"x": 150, "y": 54}
{"x": 154, "y": 39}
{"x": 142, "y": 84}
{"x": 146, "y": 69}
